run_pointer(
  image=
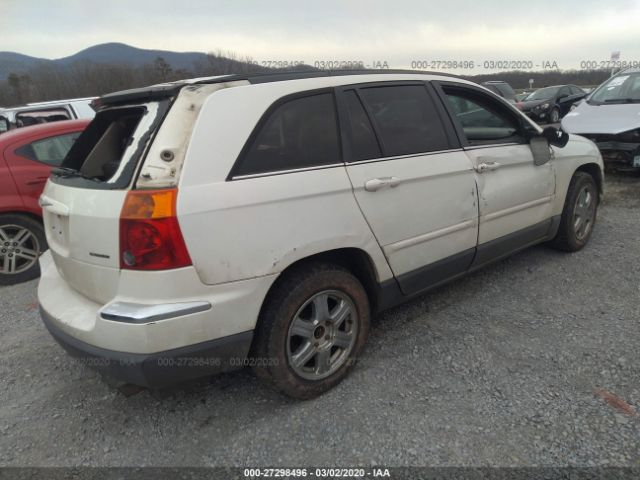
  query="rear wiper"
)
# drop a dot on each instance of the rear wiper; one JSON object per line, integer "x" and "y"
{"x": 66, "y": 172}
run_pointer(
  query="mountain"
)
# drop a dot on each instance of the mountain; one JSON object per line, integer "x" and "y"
{"x": 122, "y": 53}
{"x": 104, "y": 53}
{"x": 18, "y": 63}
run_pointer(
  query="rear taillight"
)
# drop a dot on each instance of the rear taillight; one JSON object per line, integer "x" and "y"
{"x": 150, "y": 236}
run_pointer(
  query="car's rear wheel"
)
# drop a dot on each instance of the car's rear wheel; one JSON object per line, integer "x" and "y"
{"x": 579, "y": 214}
{"x": 22, "y": 241}
{"x": 311, "y": 330}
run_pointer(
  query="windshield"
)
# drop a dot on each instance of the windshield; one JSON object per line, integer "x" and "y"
{"x": 619, "y": 89}
{"x": 543, "y": 93}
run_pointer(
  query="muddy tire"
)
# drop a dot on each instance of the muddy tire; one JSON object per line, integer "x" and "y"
{"x": 312, "y": 329}
{"x": 579, "y": 214}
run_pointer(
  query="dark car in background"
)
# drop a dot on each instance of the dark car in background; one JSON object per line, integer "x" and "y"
{"x": 27, "y": 156}
{"x": 550, "y": 104}
{"x": 502, "y": 89}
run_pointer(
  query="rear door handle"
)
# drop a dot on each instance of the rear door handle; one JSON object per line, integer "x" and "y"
{"x": 378, "y": 183}
{"x": 487, "y": 166}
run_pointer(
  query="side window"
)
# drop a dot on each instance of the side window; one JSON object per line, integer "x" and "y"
{"x": 34, "y": 117}
{"x": 564, "y": 91}
{"x": 364, "y": 145}
{"x": 300, "y": 133}
{"x": 406, "y": 119}
{"x": 483, "y": 120}
{"x": 50, "y": 150}
{"x": 575, "y": 90}
{"x": 4, "y": 124}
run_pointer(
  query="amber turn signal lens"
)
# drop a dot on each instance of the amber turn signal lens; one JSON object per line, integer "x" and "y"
{"x": 147, "y": 204}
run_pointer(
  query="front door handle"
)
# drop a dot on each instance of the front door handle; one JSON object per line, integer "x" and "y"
{"x": 378, "y": 183}
{"x": 487, "y": 166}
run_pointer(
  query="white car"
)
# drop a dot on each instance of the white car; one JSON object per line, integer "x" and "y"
{"x": 262, "y": 220}
{"x": 45, "y": 112}
{"x": 610, "y": 116}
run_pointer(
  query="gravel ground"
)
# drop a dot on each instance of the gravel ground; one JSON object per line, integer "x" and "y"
{"x": 532, "y": 361}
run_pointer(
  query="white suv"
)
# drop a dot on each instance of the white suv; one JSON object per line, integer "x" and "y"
{"x": 209, "y": 224}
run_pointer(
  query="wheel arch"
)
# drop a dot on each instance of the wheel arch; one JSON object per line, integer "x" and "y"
{"x": 356, "y": 260}
{"x": 595, "y": 171}
{"x": 23, "y": 213}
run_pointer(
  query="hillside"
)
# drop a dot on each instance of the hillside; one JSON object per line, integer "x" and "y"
{"x": 120, "y": 53}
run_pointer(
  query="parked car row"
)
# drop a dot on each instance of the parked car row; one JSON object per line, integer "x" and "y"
{"x": 45, "y": 112}
{"x": 550, "y": 104}
{"x": 198, "y": 226}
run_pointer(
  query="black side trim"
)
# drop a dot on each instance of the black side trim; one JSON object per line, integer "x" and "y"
{"x": 504, "y": 246}
{"x": 435, "y": 273}
{"x": 158, "y": 369}
{"x": 389, "y": 293}
{"x": 555, "y": 225}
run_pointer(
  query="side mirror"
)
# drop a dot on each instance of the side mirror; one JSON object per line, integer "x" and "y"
{"x": 555, "y": 137}
{"x": 540, "y": 149}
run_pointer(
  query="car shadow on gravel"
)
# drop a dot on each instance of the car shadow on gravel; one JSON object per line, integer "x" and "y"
{"x": 390, "y": 324}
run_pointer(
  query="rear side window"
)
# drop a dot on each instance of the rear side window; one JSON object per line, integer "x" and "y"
{"x": 300, "y": 133}
{"x": 50, "y": 150}
{"x": 364, "y": 145}
{"x": 406, "y": 119}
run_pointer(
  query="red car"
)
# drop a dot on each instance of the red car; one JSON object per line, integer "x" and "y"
{"x": 27, "y": 156}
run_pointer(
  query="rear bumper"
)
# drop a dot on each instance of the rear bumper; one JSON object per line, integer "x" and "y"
{"x": 161, "y": 368}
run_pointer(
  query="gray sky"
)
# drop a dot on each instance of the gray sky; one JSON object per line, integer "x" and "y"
{"x": 396, "y": 31}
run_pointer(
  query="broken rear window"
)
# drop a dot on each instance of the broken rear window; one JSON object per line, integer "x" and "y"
{"x": 108, "y": 152}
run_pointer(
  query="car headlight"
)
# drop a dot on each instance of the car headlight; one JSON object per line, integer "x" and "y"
{"x": 544, "y": 106}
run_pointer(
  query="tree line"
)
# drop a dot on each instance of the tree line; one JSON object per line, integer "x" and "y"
{"x": 87, "y": 79}
{"x": 84, "y": 78}
{"x": 520, "y": 80}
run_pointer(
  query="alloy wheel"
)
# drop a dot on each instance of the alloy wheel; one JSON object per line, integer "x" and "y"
{"x": 19, "y": 249}
{"x": 322, "y": 335}
{"x": 584, "y": 212}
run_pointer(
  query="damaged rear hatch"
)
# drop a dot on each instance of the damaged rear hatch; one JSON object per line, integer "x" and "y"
{"x": 84, "y": 197}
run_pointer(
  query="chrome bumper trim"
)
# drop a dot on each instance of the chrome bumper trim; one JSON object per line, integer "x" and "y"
{"x": 141, "y": 313}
